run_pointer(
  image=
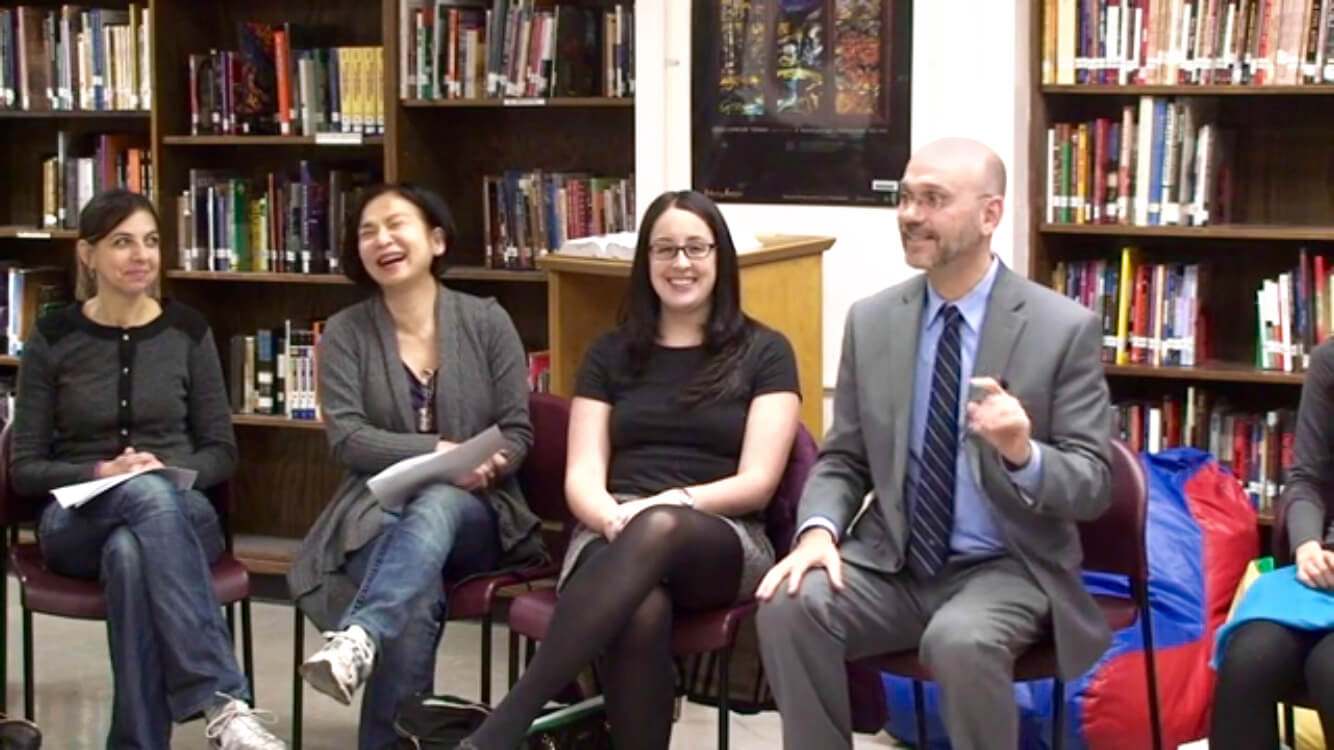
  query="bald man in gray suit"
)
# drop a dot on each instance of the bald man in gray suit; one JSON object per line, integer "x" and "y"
{"x": 971, "y": 432}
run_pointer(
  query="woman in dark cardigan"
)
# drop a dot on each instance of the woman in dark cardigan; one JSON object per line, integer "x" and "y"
{"x": 413, "y": 369}
{"x": 1264, "y": 659}
{"x": 122, "y": 382}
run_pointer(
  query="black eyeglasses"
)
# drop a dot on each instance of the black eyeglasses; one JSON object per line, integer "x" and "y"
{"x": 693, "y": 250}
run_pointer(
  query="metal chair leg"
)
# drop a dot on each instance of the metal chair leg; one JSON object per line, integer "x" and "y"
{"x": 486, "y": 658}
{"x": 724, "y": 696}
{"x": 919, "y": 711}
{"x": 298, "y": 652}
{"x": 1289, "y": 725}
{"x": 4, "y": 625}
{"x": 230, "y": 611}
{"x": 1058, "y": 716}
{"x": 1151, "y": 672}
{"x": 248, "y": 649}
{"x": 529, "y": 651}
{"x": 514, "y": 658}
{"x": 29, "y": 711}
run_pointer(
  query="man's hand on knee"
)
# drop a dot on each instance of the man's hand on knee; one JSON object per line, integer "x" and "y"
{"x": 815, "y": 549}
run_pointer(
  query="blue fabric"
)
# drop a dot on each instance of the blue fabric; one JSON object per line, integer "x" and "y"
{"x": 1279, "y": 597}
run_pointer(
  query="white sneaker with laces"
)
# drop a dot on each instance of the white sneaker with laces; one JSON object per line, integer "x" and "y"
{"x": 236, "y": 726}
{"x": 339, "y": 668}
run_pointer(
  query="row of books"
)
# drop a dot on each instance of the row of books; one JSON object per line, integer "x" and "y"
{"x": 281, "y": 223}
{"x": 1255, "y": 446}
{"x": 75, "y": 58}
{"x": 539, "y": 371}
{"x": 530, "y": 214}
{"x": 69, "y": 181}
{"x": 1293, "y": 314}
{"x": 1185, "y": 42}
{"x": 1151, "y": 313}
{"x": 463, "y": 49}
{"x": 28, "y": 294}
{"x": 1162, "y": 162}
{"x": 286, "y": 80}
{"x": 273, "y": 371}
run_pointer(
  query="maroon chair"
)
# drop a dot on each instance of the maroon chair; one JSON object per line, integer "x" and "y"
{"x": 542, "y": 478}
{"x": 696, "y": 632}
{"x": 1114, "y": 543}
{"x": 1283, "y": 556}
{"x": 48, "y": 593}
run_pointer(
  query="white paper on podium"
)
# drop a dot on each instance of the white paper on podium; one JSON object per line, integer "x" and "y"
{"x": 395, "y": 485}
{"x": 74, "y": 495}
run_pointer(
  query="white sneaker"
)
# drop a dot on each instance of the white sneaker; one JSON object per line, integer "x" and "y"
{"x": 339, "y": 668}
{"x": 236, "y": 726}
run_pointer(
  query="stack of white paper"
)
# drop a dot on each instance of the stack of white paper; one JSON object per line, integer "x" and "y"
{"x": 396, "y": 484}
{"x": 74, "y": 495}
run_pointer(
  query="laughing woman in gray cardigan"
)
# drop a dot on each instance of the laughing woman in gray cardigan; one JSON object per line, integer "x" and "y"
{"x": 413, "y": 369}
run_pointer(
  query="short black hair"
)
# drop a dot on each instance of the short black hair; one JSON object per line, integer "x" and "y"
{"x": 106, "y": 210}
{"x": 433, "y": 209}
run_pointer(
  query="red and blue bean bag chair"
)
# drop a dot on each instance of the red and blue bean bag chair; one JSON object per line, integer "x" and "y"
{"x": 1201, "y": 535}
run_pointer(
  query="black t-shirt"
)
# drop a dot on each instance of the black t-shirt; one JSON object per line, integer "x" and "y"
{"x": 656, "y": 442}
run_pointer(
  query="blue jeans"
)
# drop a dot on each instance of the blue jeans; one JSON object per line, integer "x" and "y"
{"x": 171, "y": 653}
{"x": 443, "y": 531}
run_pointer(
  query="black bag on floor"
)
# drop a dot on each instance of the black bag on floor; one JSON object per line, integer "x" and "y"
{"x": 19, "y": 734}
{"x": 439, "y": 722}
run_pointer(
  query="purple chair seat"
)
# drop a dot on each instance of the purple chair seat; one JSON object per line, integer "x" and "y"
{"x": 50, "y": 593}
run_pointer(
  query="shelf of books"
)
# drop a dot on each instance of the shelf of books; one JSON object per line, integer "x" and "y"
{"x": 254, "y": 125}
{"x": 1190, "y": 216}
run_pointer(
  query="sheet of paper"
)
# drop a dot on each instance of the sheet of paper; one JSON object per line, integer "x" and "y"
{"x": 396, "y": 484}
{"x": 74, "y": 495}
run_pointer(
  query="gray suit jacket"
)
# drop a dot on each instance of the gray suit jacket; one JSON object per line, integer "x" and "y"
{"x": 483, "y": 380}
{"x": 1047, "y": 348}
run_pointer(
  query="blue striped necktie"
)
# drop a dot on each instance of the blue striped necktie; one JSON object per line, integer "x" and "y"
{"x": 933, "y": 507}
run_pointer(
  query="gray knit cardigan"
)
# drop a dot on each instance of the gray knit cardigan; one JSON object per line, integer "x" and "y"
{"x": 482, "y": 380}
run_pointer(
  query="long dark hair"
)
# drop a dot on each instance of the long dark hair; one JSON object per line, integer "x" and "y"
{"x": 727, "y": 331}
{"x": 435, "y": 213}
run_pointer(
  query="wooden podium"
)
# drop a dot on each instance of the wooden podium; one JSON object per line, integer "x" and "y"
{"x": 781, "y": 286}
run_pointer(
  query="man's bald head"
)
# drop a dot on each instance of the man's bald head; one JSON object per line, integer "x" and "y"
{"x": 962, "y": 161}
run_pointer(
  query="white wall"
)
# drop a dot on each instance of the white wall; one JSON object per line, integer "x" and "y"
{"x": 970, "y": 78}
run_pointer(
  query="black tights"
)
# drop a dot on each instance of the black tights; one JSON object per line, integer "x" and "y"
{"x": 618, "y": 609}
{"x": 1263, "y": 664}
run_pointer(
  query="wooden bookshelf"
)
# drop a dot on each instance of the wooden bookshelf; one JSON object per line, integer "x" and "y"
{"x": 522, "y": 101}
{"x": 1187, "y": 90}
{"x": 37, "y": 233}
{"x": 1272, "y": 205}
{"x": 455, "y": 273}
{"x": 332, "y": 140}
{"x": 8, "y": 361}
{"x": 276, "y": 422}
{"x": 1275, "y": 232}
{"x": 1216, "y": 372}
{"x": 74, "y": 114}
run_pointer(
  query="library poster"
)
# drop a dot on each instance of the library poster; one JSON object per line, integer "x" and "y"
{"x": 800, "y": 101}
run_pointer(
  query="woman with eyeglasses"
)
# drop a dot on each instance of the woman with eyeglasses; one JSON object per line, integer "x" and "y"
{"x": 680, "y": 429}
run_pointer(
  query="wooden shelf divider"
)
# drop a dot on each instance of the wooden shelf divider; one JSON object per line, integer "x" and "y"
{"x": 332, "y": 140}
{"x": 519, "y": 102}
{"x": 1275, "y": 232}
{"x": 1188, "y": 90}
{"x": 37, "y": 233}
{"x": 273, "y": 421}
{"x": 73, "y": 114}
{"x": 1223, "y": 372}
{"x": 462, "y": 273}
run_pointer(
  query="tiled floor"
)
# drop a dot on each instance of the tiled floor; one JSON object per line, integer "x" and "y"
{"x": 74, "y": 687}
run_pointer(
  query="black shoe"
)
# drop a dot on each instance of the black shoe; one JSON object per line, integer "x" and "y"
{"x": 19, "y": 734}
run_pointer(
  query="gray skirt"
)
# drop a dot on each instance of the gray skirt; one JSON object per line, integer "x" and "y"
{"x": 757, "y": 552}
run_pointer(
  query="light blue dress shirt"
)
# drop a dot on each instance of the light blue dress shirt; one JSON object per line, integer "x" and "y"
{"x": 975, "y": 530}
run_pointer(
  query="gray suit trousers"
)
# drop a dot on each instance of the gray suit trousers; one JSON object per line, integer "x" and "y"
{"x": 968, "y": 624}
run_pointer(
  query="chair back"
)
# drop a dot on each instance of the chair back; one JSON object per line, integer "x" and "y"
{"x": 1278, "y": 534}
{"x": 542, "y": 476}
{"x": 780, "y": 521}
{"x": 14, "y": 508}
{"x": 1114, "y": 543}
